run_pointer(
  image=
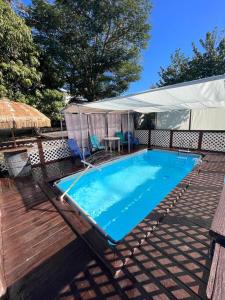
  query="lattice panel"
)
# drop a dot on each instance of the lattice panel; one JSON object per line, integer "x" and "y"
{"x": 3, "y": 166}
{"x": 142, "y": 135}
{"x": 55, "y": 149}
{"x": 160, "y": 138}
{"x": 34, "y": 154}
{"x": 185, "y": 139}
{"x": 214, "y": 141}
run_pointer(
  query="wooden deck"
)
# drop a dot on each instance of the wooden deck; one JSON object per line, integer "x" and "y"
{"x": 43, "y": 258}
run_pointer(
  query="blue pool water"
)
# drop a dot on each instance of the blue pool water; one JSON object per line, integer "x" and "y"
{"x": 125, "y": 191}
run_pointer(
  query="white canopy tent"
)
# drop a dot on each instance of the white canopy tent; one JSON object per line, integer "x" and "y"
{"x": 203, "y": 93}
{"x": 82, "y": 125}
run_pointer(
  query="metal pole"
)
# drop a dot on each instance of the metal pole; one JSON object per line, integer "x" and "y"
{"x": 62, "y": 138}
{"x": 107, "y": 124}
{"x": 82, "y": 146}
{"x": 88, "y": 124}
{"x": 189, "y": 127}
{"x": 128, "y": 129}
{"x": 61, "y": 126}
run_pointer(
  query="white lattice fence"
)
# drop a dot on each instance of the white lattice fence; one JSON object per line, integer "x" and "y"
{"x": 34, "y": 154}
{"x": 55, "y": 149}
{"x": 185, "y": 139}
{"x": 214, "y": 141}
{"x": 3, "y": 166}
{"x": 160, "y": 138}
{"x": 142, "y": 135}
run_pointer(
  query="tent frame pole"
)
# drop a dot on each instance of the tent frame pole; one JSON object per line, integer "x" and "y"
{"x": 61, "y": 129}
{"x": 61, "y": 125}
{"x": 107, "y": 124}
{"x": 81, "y": 132}
{"x": 128, "y": 129}
{"x": 190, "y": 116}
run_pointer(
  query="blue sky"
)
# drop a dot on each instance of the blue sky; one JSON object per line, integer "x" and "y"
{"x": 175, "y": 24}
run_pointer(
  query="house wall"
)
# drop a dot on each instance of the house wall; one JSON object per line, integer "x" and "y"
{"x": 201, "y": 119}
{"x": 177, "y": 119}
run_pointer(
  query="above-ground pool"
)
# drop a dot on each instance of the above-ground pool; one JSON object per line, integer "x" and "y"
{"x": 125, "y": 191}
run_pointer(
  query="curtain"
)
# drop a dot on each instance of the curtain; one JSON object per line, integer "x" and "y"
{"x": 74, "y": 128}
{"x": 125, "y": 122}
{"x": 97, "y": 125}
{"x": 114, "y": 123}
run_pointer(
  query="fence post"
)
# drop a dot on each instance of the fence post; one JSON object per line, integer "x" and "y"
{"x": 200, "y": 140}
{"x": 171, "y": 138}
{"x": 41, "y": 151}
{"x": 149, "y": 139}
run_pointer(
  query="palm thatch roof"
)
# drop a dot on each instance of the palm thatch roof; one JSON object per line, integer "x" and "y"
{"x": 20, "y": 115}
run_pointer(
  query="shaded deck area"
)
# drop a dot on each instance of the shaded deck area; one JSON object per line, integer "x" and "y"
{"x": 43, "y": 258}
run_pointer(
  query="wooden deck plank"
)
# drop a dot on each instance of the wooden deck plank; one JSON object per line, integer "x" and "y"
{"x": 218, "y": 224}
{"x": 219, "y": 282}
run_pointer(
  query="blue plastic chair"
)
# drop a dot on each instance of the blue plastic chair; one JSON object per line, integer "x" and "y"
{"x": 95, "y": 143}
{"x": 133, "y": 141}
{"x": 76, "y": 151}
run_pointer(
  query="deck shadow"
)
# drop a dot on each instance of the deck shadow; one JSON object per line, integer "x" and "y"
{"x": 49, "y": 279}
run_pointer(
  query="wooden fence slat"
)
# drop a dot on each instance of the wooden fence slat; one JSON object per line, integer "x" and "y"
{"x": 200, "y": 140}
{"x": 171, "y": 138}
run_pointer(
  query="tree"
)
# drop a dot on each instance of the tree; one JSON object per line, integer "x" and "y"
{"x": 205, "y": 62}
{"x": 90, "y": 46}
{"x": 48, "y": 101}
{"x": 20, "y": 73}
{"x": 19, "y": 63}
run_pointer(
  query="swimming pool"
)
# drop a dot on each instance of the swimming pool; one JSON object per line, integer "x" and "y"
{"x": 125, "y": 191}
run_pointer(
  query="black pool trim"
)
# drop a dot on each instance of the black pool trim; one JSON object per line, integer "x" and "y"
{"x": 80, "y": 212}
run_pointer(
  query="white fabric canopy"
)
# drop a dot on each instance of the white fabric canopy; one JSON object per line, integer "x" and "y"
{"x": 203, "y": 93}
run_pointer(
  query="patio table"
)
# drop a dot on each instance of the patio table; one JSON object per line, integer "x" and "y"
{"x": 110, "y": 140}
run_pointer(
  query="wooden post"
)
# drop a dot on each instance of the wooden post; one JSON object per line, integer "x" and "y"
{"x": 41, "y": 151}
{"x": 149, "y": 138}
{"x": 13, "y": 134}
{"x": 171, "y": 138}
{"x": 200, "y": 140}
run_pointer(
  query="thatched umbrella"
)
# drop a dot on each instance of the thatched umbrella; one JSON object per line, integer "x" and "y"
{"x": 16, "y": 115}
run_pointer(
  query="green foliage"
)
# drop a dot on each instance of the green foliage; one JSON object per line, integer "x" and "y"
{"x": 18, "y": 56}
{"x": 20, "y": 76}
{"x": 205, "y": 62}
{"x": 49, "y": 101}
{"x": 93, "y": 46}
{"x": 144, "y": 121}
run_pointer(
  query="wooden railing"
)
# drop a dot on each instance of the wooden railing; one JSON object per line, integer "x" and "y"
{"x": 206, "y": 140}
{"x": 40, "y": 151}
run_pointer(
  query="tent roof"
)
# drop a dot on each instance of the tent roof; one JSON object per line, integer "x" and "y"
{"x": 203, "y": 93}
